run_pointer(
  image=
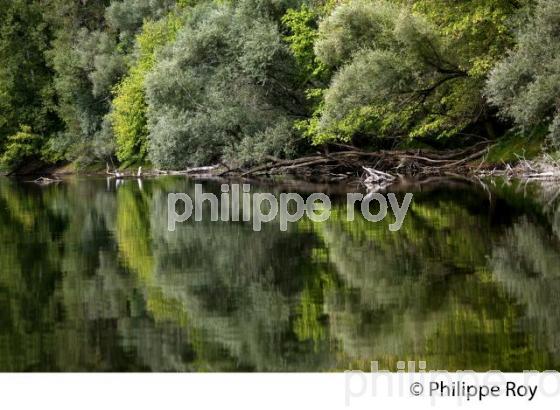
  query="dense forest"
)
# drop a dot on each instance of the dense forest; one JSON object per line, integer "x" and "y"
{"x": 195, "y": 82}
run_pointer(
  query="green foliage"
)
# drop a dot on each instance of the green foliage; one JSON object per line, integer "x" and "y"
{"x": 86, "y": 65}
{"x": 408, "y": 72}
{"x": 526, "y": 84}
{"x": 355, "y": 25}
{"x": 129, "y": 15}
{"x": 303, "y": 28}
{"x": 20, "y": 147}
{"x": 517, "y": 145}
{"x": 128, "y": 116}
{"x": 395, "y": 76}
{"x": 302, "y": 24}
{"x": 478, "y": 31}
{"x": 227, "y": 79}
{"x": 26, "y": 93}
{"x": 190, "y": 82}
{"x": 278, "y": 140}
{"x": 91, "y": 51}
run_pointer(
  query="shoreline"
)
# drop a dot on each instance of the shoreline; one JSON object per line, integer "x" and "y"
{"x": 374, "y": 167}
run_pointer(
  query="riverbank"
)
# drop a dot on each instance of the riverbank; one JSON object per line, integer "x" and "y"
{"x": 513, "y": 157}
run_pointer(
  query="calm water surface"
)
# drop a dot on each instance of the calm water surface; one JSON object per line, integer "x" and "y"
{"x": 91, "y": 280}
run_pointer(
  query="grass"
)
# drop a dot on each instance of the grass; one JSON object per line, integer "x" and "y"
{"x": 515, "y": 145}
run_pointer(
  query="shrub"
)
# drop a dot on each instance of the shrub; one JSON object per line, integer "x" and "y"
{"x": 20, "y": 147}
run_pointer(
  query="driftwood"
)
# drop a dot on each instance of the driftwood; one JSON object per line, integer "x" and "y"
{"x": 191, "y": 171}
{"x": 114, "y": 173}
{"x": 377, "y": 180}
{"x": 377, "y": 176}
{"x": 543, "y": 168}
{"x": 140, "y": 173}
{"x": 45, "y": 181}
{"x": 348, "y": 162}
{"x": 354, "y": 161}
{"x": 376, "y": 168}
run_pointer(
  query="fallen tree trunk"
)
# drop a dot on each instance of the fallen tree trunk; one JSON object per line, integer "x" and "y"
{"x": 194, "y": 170}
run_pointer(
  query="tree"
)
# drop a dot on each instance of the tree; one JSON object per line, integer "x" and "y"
{"x": 86, "y": 68}
{"x": 479, "y": 31}
{"x": 526, "y": 84}
{"x": 90, "y": 54}
{"x": 26, "y": 93}
{"x": 303, "y": 26}
{"x": 408, "y": 72}
{"x": 128, "y": 117}
{"x": 129, "y": 15}
{"x": 21, "y": 146}
{"x": 227, "y": 87}
{"x": 393, "y": 72}
{"x": 85, "y": 64}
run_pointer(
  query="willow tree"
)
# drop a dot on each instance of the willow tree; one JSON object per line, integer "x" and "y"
{"x": 526, "y": 84}
{"x": 227, "y": 87}
{"x": 128, "y": 117}
{"x": 409, "y": 69}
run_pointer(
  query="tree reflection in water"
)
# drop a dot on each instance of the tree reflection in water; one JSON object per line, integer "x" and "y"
{"x": 90, "y": 279}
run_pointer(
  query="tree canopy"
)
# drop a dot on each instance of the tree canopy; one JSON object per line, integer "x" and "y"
{"x": 179, "y": 83}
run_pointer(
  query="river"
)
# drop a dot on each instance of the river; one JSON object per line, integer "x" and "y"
{"x": 91, "y": 279}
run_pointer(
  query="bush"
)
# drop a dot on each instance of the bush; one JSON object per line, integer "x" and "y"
{"x": 21, "y": 147}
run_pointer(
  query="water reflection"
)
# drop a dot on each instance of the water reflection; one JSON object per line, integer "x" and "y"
{"x": 90, "y": 279}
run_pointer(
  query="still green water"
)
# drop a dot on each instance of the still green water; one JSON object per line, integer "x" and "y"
{"x": 92, "y": 280}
